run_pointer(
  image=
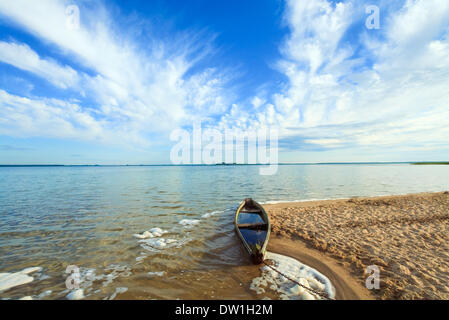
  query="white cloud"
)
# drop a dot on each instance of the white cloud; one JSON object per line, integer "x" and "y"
{"x": 383, "y": 88}
{"x": 25, "y": 117}
{"x": 22, "y": 57}
{"x": 146, "y": 86}
{"x": 418, "y": 22}
{"x": 257, "y": 102}
{"x": 393, "y": 93}
{"x": 316, "y": 29}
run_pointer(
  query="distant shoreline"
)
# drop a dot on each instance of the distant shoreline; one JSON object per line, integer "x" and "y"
{"x": 219, "y": 165}
{"x": 430, "y": 163}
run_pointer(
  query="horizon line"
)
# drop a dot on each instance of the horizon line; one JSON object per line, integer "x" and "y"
{"x": 222, "y": 164}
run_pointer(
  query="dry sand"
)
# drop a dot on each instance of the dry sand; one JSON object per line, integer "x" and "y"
{"x": 407, "y": 237}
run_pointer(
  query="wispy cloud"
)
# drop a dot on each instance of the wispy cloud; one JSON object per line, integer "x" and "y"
{"x": 134, "y": 88}
{"x": 346, "y": 86}
{"x": 23, "y": 57}
{"x": 25, "y": 117}
{"x": 385, "y": 87}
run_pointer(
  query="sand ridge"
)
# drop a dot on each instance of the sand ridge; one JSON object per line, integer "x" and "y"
{"x": 407, "y": 237}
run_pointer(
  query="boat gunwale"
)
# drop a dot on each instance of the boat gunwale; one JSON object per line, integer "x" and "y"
{"x": 240, "y": 235}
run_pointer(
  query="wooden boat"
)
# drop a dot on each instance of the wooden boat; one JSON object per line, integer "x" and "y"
{"x": 252, "y": 226}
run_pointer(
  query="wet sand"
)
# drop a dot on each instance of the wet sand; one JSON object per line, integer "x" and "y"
{"x": 407, "y": 237}
{"x": 346, "y": 287}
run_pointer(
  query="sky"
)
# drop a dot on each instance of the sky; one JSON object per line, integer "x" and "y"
{"x": 107, "y": 82}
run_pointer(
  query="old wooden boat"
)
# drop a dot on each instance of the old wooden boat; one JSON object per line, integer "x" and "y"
{"x": 252, "y": 226}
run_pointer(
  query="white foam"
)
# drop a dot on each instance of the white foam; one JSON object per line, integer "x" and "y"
{"x": 272, "y": 281}
{"x": 144, "y": 235}
{"x": 44, "y": 277}
{"x": 11, "y": 280}
{"x": 38, "y": 297}
{"x": 157, "y": 232}
{"x": 31, "y": 270}
{"x": 116, "y": 271}
{"x": 77, "y": 294}
{"x": 157, "y": 243}
{"x": 152, "y": 233}
{"x": 209, "y": 214}
{"x": 156, "y": 273}
{"x": 44, "y": 294}
{"x": 89, "y": 278}
{"x": 189, "y": 222}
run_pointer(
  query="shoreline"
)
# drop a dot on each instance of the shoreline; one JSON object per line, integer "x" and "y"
{"x": 285, "y": 202}
{"x": 406, "y": 236}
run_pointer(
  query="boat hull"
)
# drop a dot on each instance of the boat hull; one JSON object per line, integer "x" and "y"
{"x": 252, "y": 226}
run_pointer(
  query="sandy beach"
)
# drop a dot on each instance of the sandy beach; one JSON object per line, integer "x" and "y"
{"x": 407, "y": 237}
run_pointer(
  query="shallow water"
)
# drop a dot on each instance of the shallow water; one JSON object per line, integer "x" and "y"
{"x": 52, "y": 217}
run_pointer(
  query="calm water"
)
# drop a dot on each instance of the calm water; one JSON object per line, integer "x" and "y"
{"x": 86, "y": 216}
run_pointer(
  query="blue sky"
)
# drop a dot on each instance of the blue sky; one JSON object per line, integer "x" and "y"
{"x": 111, "y": 89}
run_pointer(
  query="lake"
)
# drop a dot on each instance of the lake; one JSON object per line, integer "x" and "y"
{"x": 91, "y": 218}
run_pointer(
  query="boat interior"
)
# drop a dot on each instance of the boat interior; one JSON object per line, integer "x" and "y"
{"x": 252, "y": 225}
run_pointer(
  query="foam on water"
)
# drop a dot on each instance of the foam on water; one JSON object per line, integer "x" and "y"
{"x": 38, "y": 297}
{"x": 149, "y": 243}
{"x": 157, "y": 243}
{"x": 11, "y": 280}
{"x": 156, "y": 273}
{"x": 272, "y": 281}
{"x": 189, "y": 222}
{"x": 115, "y": 271}
{"x": 44, "y": 294}
{"x": 89, "y": 278}
{"x": 210, "y": 214}
{"x": 31, "y": 270}
{"x": 76, "y": 294}
{"x": 152, "y": 233}
{"x": 151, "y": 240}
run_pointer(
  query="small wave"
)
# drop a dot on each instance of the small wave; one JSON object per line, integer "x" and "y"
{"x": 169, "y": 207}
{"x": 272, "y": 281}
